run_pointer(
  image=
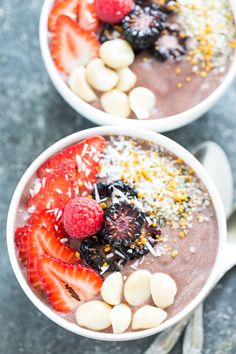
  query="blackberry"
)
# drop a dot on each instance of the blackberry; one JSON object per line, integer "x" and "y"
{"x": 105, "y": 190}
{"x": 123, "y": 224}
{"x": 109, "y": 32}
{"x": 143, "y": 25}
{"x": 100, "y": 256}
{"x": 170, "y": 44}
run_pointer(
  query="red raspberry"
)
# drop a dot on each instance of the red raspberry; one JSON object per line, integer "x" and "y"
{"x": 113, "y": 11}
{"x": 83, "y": 217}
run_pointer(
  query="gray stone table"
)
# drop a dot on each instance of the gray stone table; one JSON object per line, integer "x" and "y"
{"x": 32, "y": 116}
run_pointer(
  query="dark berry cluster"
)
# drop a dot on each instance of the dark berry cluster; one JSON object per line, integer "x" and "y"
{"x": 146, "y": 28}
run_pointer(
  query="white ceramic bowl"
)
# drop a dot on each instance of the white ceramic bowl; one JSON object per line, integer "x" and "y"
{"x": 100, "y": 117}
{"x": 19, "y": 199}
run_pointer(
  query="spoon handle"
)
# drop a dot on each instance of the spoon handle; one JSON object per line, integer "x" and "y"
{"x": 194, "y": 334}
{"x": 165, "y": 341}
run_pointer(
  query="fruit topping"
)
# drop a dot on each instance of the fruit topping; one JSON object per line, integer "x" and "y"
{"x": 72, "y": 45}
{"x": 137, "y": 287}
{"x": 79, "y": 161}
{"x": 55, "y": 193}
{"x": 116, "y": 53}
{"x": 62, "y": 7}
{"x": 148, "y": 317}
{"x": 142, "y": 26}
{"x": 142, "y": 102}
{"x": 112, "y": 289}
{"x": 94, "y": 315}
{"x": 163, "y": 290}
{"x": 43, "y": 241}
{"x": 22, "y": 243}
{"x": 52, "y": 221}
{"x": 120, "y": 317}
{"x": 109, "y": 32}
{"x": 113, "y": 11}
{"x": 170, "y": 45}
{"x": 88, "y": 18}
{"x": 66, "y": 284}
{"x": 83, "y": 217}
{"x": 123, "y": 224}
{"x": 104, "y": 191}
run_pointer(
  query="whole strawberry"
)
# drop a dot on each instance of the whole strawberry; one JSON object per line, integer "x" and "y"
{"x": 83, "y": 217}
{"x": 113, "y": 11}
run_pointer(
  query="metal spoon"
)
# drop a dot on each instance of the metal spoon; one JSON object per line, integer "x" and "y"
{"x": 216, "y": 163}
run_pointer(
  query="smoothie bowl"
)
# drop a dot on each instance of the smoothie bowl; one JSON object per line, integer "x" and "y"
{"x": 115, "y": 233}
{"x": 155, "y": 64}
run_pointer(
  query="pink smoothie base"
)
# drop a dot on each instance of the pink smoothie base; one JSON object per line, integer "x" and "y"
{"x": 102, "y": 118}
{"x": 19, "y": 198}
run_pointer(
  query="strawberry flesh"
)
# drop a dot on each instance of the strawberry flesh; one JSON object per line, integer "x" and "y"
{"x": 88, "y": 18}
{"x": 62, "y": 7}
{"x": 72, "y": 46}
{"x": 66, "y": 285}
{"x": 42, "y": 241}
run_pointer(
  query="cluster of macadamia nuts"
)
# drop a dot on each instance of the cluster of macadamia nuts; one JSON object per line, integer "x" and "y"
{"x": 111, "y": 75}
{"x": 118, "y": 298}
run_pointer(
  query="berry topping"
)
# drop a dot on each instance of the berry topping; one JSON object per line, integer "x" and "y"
{"x": 42, "y": 241}
{"x": 104, "y": 191}
{"x": 62, "y": 7}
{"x": 65, "y": 284}
{"x": 72, "y": 45}
{"x": 80, "y": 160}
{"x": 113, "y": 11}
{"x": 170, "y": 45}
{"x": 83, "y": 217}
{"x": 88, "y": 18}
{"x": 143, "y": 25}
{"x": 50, "y": 220}
{"x": 110, "y": 32}
{"x": 55, "y": 193}
{"x": 123, "y": 224}
{"x": 21, "y": 241}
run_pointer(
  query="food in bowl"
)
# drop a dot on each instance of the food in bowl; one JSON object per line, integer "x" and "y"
{"x": 116, "y": 234}
{"x": 154, "y": 59}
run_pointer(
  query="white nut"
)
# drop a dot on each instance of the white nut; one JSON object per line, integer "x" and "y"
{"x": 163, "y": 290}
{"x": 112, "y": 288}
{"x": 137, "y": 287}
{"x": 127, "y": 79}
{"x": 116, "y": 53}
{"x": 120, "y": 317}
{"x": 116, "y": 102}
{"x": 148, "y": 317}
{"x": 142, "y": 101}
{"x": 79, "y": 85}
{"x": 100, "y": 77}
{"x": 94, "y": 315}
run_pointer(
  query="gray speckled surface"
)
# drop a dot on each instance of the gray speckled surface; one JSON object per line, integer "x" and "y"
{"x": 32, "y": 116}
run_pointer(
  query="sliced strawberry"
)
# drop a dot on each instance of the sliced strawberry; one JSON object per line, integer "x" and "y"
{"x": 22, "y": 243}
{"x": 42, "y": 241}
{"x": 62, "y": 7}
{"x": 48, "y": 219}
{"x": 72, "y": 45}
{"x": 84, "y": 160}
{"x": 87, "y": 15}
{"x": 65, "y": 284}
{"x": 55, "y": 194}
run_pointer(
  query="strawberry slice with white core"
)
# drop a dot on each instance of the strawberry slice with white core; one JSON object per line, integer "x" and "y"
{"x": 43, "y": 241}
{"x": 87, "y": 15}
{"x": 66, "y": 285}
{"x": 62, "y": 7}
{"x": 72, "y": 46}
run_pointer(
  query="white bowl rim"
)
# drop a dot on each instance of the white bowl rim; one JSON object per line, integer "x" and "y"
{"x": 135, "y": 133}
{"x": 102, "y": 118}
